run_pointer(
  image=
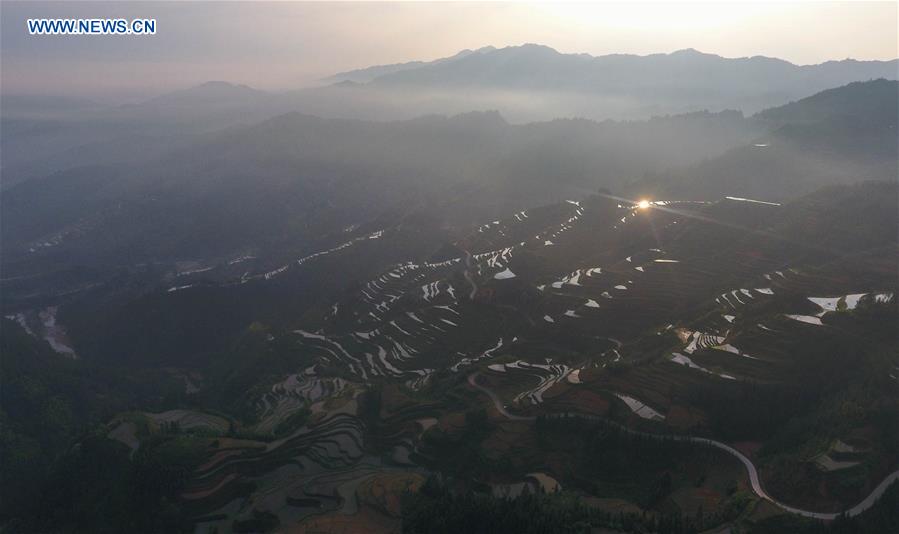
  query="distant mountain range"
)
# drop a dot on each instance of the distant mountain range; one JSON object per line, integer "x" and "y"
{"x": 525, "y": 83}
{"x": 681, "y": 81}
{"x": 533, "y": 66}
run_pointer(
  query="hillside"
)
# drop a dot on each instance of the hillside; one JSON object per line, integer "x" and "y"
{"x": 873, "y": 102}
{"x": 842, "y": 135}
{"x": 731, "y": 320}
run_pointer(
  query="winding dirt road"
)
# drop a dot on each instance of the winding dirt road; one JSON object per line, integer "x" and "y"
{"x": 472, "y": 379}
{"x": 754, "y": 480}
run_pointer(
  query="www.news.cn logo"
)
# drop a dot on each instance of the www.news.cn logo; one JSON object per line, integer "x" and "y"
{"x": 92, "y": 26}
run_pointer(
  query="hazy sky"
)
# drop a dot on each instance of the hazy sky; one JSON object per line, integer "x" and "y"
{"x": 289, "y": 45}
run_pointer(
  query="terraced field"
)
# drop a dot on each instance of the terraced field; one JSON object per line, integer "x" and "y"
{"x": 602, "y": 308}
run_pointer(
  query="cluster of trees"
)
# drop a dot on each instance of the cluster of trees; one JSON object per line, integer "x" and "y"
{"x": 436, "y": 508}
{"x": 58, "y": 470}
{"x": 751, "y": 410}
{"x": 604, "y": 455}
{"x": 442, "y": 506}
{"x": 461, "y": 453}
{"x": 96, "y": 487}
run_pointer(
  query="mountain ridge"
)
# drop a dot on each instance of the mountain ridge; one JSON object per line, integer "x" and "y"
{"x": 544, "y": 57}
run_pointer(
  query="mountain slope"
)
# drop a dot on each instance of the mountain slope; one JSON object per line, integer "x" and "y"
{"x": 368, "y": 74}
{"x": 875, "y": 102}
{"x": 842, "y": 135}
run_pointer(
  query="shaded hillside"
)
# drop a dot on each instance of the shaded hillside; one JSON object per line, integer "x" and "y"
{"x": 48, "y": 403}
{"x": 843, "y": 135}
{"x": 873, "y": 101}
